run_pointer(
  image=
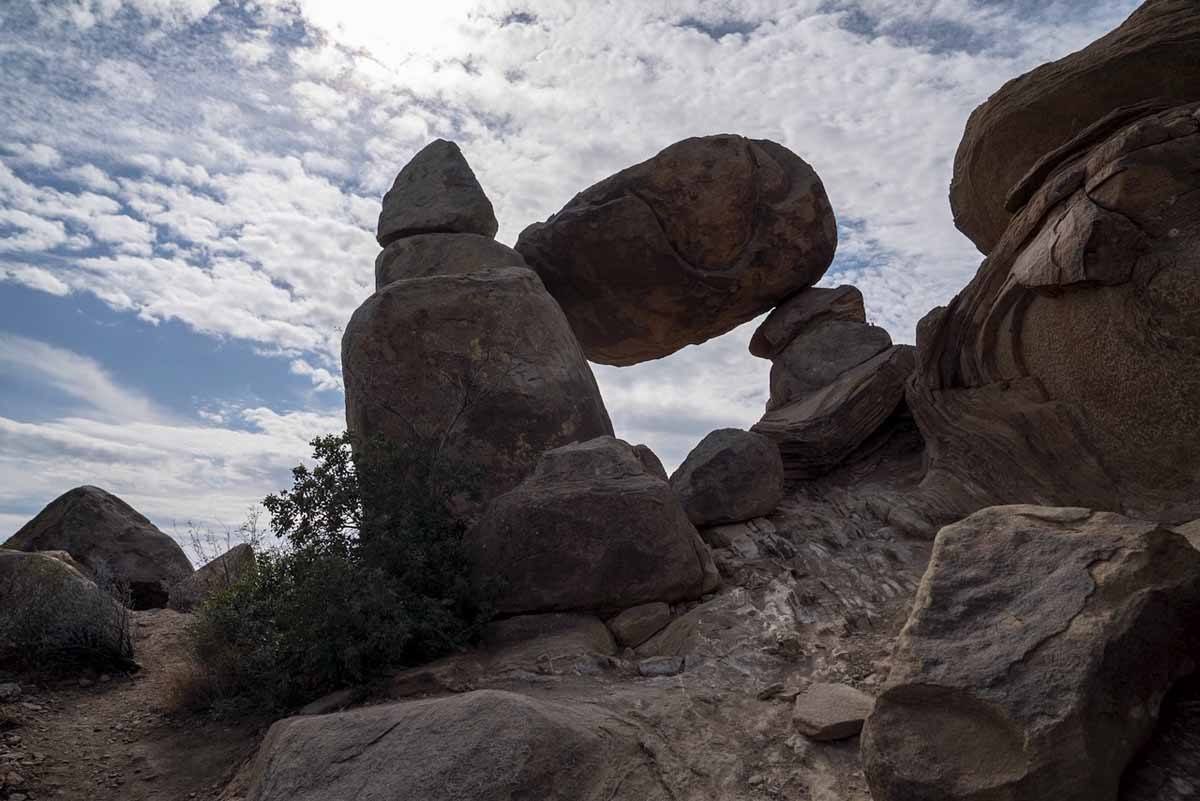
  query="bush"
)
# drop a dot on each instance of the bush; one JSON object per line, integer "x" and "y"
{"x": 370, "y": 575}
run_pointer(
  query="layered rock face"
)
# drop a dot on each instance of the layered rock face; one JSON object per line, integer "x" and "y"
{"x": 708, "y": 234}
{"x": 732, "y": 475}
{"x": 1151, "y": 56}
{"x": 1041, "y": 644}
{"x": 108, "y": 537}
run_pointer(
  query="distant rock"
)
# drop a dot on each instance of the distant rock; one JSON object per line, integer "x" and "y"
{"x": 219, "y": 574}
{"x": 820, "y": 355}
{"x": 590, "y": 529}
{"x": 108, "y": 537}
{"x": 484, "y": 363}
{"x": 436, "y": 192}
{"x": 826, "y": 711}
{"x": 1152, "y": 56}
{"x": 424, "y": 255}
{"x": 1039, "y": 649}
{"x": 732, "y": 475}
{"x": 636, "y": 625}
{"x": 683, "y": 247}
{"x": 801, "y": 312}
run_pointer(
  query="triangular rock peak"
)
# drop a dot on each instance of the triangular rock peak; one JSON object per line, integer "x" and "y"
{"x": 436, "y": 192}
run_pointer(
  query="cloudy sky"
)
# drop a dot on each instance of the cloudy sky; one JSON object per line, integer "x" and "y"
{"x": 188, "y": 190}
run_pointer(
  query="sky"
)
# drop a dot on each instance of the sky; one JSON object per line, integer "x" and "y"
{"x": 189, "y": 190}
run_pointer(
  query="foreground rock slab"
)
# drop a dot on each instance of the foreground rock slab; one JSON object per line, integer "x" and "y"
{"x": 1041, "y": 644}
{"x": 731, "y": 476}
{"x": 436, "y": 192}
{"x": 826, "y": 711}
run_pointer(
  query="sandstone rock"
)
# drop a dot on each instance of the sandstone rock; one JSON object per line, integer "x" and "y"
{"x": 1040, "y": 645}
{"x": 816, "y": 359}
{"x": 482, "y": 366}
{"x": 589, "y": 529}
{"x": 732, "y": 475}
{"x": 802, "y": 311}
{"x": 823, "y": 429}
{"x": 708, "y": 234}
{"x": 831, "y": 711}
{"x": 436, "y": 192}
{"x": 219, "y": 574}
{"x": 486, "y": 745}
{"x": 107, "y": 536}
{"x": 425, "y": 255}
{"x": 636, "y": 625}
{"x": 1152, "y": 55}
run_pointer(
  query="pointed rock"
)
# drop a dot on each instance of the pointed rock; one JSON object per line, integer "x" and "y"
{"x": 801, "y": 312}
{"x": 436, "y": 192}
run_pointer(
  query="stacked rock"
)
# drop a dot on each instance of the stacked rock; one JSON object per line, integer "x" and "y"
{"x": 461, "y": 348}
{"x": 834, "y": 378}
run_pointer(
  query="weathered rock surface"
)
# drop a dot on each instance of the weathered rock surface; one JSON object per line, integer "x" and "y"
{"x": 1067, "y": 371}
{"x": 484, "y": 363}
{"x": 820, "y": 356}
{"x": 590, "y": 529}
{"x": 685, "y": 246}
{"x": 1152, "y": 56}
{"x": 1039, "y": 649}
{"x": 826, "y": 711}
{"x": 108, "y": 537}
{"x": 732, "y": 475}
{"x": 436, "y": 192}
{"x": 825, "y": 427}
{"x": 219, "y": 574}
{"x": 634, "y": 626}
{"x": 801, "y": 312}
{"x": 424, "y": 255}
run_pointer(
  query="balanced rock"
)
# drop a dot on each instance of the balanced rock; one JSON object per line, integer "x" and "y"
{"x": 817, "y": 358}
{"x": 1151, "y": 56}
{"x": 1040, "y": 646}
{"x": 706, "y": 235}
{"x": 482, "y": 363}
{"x": 732, "y": 475}
{"x": 424, "y": 255}
{"x": 801, "y": 312}
{"x": 436, "y": 192}
{"x": 826, "y": 711}
{"x": 591, "y": 530}
{"x": 111, "y": 539}
{"x": 219, "y": 574}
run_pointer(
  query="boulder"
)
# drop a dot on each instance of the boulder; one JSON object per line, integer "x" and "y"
{"x": 825, "y": 428}
{"x": 481, "y": 366}
{"x": 732, "y": 475}
{"x": 1151, "y": 56}
{"x": 591, "y": 530}
{"x": 650, "y": 461}
{"x": 486, "y": 745}
{"x": 424, "y": 255}
{"x": 1067, "y": 371}
{"x": 636, "y": 625}
{"x": 826, "y": 711}
{"x": 219, "y": 574}
{"x": 802, "y": 311}
{"x": 111, "y": 539}
{"x": 436, "y": 192}
{"x": 685, "y": 246}
{"x": 818, "y": 357}
{"x": 1040, "y": 646}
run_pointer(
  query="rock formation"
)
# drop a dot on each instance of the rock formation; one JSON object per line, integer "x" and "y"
{"x": 219, "y": 574}
{"x": 436, "y": 192}
{"x": 110, "y": 538}
{"x": 806, "y": 308}
{"x": 732, "y": 475}
{"x": 1039, "y": 649}
{"x": 817, "y": 358}
{"x": 426, "y": 255}
{"x": 685, "y": 246}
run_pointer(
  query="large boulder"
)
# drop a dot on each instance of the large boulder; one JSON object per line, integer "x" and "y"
{"x": 732, "y": 475}
{"x": 486, "y": 745}
{"x": 482, "y": 365}
{"x": 1041, "y": 644}
{"x": 111, "y": 539}
{"x": 1151, "y": 56}
{"x": 217, "y": 575}
{"x": 441, "y": 254}
{"x": 1067, "y": 371}
{"x": 802, "y": 311}
{"x": 815, "y": 359}
{"x": 436, "y": 192}
{"x": 708, "y": 234}
{"x": 590, "y": 530}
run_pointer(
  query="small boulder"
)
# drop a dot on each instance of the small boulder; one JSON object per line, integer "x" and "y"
{"x": 436, "y": 192}
{"x": 636, "y": 625}
{"x": 219, "y": 574}
{"x": 820, "y": 356}
{"x": 661, "y": 666}
{"x": 732, "y": 475}
{"x": 802, "y": 311}
{"x": 424, "y": 255}
{"x": 831, "y": 711}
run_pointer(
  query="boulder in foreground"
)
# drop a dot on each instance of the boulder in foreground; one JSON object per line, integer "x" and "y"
{"x": 732, "y": 475}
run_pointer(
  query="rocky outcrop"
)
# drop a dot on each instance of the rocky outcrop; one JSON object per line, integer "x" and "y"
{"x": 110, "y": 538}
{"x": 1152, "y": 56}
{"x": 425, "y": 255}
{"x": 708, "y": 234}
{"x": 732, "y": 475}
{"x": 805, "y": 309}
{"x": 820, "y": 356}
{"x": 590, "y": 529}
{"x": 219, "y": 574}
{"x": 1039, "y": 649}
{"x": 483, "y": 366}
{"x": 436, "y": 192}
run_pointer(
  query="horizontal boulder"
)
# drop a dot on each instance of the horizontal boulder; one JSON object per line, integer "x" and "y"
{"x": 732, "y": 475}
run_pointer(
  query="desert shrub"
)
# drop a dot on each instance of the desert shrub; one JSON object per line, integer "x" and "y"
{"x": 370, "y": 575}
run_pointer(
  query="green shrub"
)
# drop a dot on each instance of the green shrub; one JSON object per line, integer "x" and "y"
{"x": 369, "y": 575}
